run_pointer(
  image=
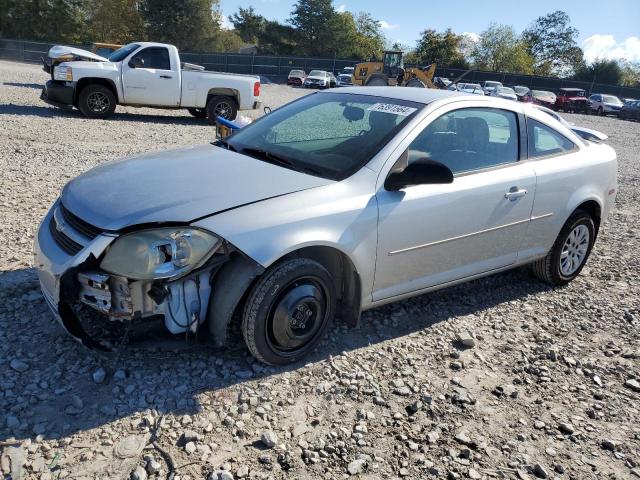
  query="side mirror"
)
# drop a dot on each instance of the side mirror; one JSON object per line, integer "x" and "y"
{"x": 136, "y": 62}
{"x": 421, "y": 172}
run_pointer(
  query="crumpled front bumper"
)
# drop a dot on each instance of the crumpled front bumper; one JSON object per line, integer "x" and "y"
{"x": 58, "y": 94}
{"x": 54, "y": 266}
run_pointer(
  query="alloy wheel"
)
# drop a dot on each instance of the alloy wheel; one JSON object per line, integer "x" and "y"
{"x": 98, "y": 102}
{"x": 574, "y": 250}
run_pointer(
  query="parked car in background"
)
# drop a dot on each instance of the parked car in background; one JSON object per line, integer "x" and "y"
{"x": 147, "y": 74}
{"x": 336, "y": 203}
{"x": 317, "y": 79}
{"x": 544, "y": 98}
{"x": 628, "y": 100}
{"x": 489, "y": 86}
{"x": 333, "y": 81}
{"x": 523, "y": 93}
{"x": 572, "y": 100}
{"x": 442, "y": 82}
{"x": 473, "y": 88}
{"x": 630, "y": 111}
{"x": 504, "y": 92}
{"x": 296, "y": 78}
{"x": 604, "y": 104}
{"x": 345, "y": 77}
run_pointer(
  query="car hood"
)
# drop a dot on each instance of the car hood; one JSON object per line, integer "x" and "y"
{"x": 62, "y": 50}
{"x": 177, "y": 186}
{"x": 315, "y": 78}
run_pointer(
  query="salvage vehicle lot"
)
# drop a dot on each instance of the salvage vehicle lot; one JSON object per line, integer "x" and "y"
{"x": 544, "y": 381}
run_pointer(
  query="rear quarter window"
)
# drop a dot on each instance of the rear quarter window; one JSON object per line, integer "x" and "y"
{"x": 544, "y": 141}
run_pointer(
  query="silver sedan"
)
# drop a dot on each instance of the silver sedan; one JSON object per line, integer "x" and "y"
{"x": 338, "y": 202}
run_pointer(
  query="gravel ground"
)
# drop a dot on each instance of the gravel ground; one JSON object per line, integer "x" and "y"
{"x": 502, "y": 377}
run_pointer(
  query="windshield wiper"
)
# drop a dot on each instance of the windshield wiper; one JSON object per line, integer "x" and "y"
{"x": 226, "y": 144}
{"x": 261, "y": 154}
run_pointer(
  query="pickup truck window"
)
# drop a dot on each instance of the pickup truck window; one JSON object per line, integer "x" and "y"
{"x": 469, "y": 139}
{"x": 155, "y": 58}
{"x": 123, "y": 52}
{"x": 544, "y": 141}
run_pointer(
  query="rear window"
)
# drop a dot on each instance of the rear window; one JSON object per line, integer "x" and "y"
{"x": 545, "y": 141}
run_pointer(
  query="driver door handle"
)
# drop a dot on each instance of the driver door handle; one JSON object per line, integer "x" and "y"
{"x": 514, "y": 193}
{"x": 166, "y": 76}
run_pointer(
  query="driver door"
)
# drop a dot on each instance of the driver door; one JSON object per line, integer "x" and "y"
{"x": 430, "y": 235}
{"x": 148, "y": 78}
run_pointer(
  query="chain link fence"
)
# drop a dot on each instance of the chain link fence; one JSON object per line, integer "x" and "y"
{"x": 276, "y": 68}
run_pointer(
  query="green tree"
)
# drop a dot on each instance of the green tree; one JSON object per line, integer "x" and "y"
{"x": 630, "y": 73}
{"x": 440, "y": 48}
{"x": 248, "y": 24}
{"x": 601, "y": 71}
{"x": 499, "y": 49}
{"x": 116, "y": 21}
{"x": 552, "y": 42}
{"x": 52, "y": 20}
{"x": 313, "y": 20}
{"x": 188, "y": 24}
{"x": 369, "y": 37}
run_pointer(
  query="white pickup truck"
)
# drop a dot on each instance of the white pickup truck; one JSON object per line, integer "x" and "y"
{"x": 144, "y": 74}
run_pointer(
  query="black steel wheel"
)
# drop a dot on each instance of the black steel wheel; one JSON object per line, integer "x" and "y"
{"x": 288, "y": 311}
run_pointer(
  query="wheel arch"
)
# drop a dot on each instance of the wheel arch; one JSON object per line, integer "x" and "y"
{"x": 223, "y": 91}
{"x": 84, "y": 82}
{"x": 593, "y": 208}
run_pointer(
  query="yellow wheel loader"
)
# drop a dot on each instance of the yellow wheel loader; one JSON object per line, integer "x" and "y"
{"x": 391, "y": 72}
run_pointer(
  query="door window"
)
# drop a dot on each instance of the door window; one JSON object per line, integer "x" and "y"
{"x": 469, "y": 139}
{"x": 545, "y": 140}
{"x": 155, "y": 58}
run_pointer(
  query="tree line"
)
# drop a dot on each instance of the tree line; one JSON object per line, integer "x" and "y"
{"x": 548, "y": 46}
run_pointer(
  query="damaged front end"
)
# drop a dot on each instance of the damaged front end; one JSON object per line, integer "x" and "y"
{"x": 156, "y": 275}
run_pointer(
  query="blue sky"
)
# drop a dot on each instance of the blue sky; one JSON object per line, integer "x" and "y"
{"x": 607, "y": 29}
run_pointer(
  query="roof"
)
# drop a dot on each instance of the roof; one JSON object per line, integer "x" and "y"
{"x": 421, "y": 95}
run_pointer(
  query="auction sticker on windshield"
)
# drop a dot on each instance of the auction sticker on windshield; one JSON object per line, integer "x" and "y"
{"x": 392, "y": 108}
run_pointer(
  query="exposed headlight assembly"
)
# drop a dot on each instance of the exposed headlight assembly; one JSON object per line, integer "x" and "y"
{"x": 160, "y": 253}
{"x": 63, "y": 73}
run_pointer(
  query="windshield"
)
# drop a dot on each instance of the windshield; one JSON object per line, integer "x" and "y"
{"x": 611, "y": 99}
{"x": 521, "y": 90}
{"x": 506, "y": 90}
{"x": 123, "y": 52}
{"x": 347, "y": 71}
{"x": 316, "y": 73}
{"x": 331, "y": 135}
{"x": 296, "y": 72}
{"x": 490, "y": 84}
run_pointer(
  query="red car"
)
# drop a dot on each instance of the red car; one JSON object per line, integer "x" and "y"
{"x": 296, "y": 78}
{"x": 572, "y": 100}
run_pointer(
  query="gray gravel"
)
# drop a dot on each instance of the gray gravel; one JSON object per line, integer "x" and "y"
{"x": 503, "y": 377}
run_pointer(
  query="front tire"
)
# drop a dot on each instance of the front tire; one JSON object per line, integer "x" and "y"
{"x": 221, "y": 106}
{"x": 288, "y": 311}
{"x": 96, "y": 101}
{"x": 570, "y": 251}
{"x": 415, "y": 83}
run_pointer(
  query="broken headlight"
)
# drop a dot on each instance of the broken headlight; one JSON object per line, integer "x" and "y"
{"x": 63, "y": 73}
{"x": 159, "y": 253}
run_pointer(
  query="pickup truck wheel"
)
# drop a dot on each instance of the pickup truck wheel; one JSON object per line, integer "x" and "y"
{"x": 198, "y": 112}
{"x": 288, "y": 311}
{"x": 96, "y": 101}
{"x": 221, "y": 106}
{"x": 569, "y": 253}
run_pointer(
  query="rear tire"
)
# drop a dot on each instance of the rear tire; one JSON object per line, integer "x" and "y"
{"x": 600, "y": 111}
{"x": 288, "y": 311}
{"x": 96, "y": 101}
{"x": 570, "y": 251}
{"x": 198, "y": 112}
{"x": 222, "y": 106}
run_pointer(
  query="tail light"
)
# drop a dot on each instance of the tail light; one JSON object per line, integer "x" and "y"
{"x": 256, "y": 89}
